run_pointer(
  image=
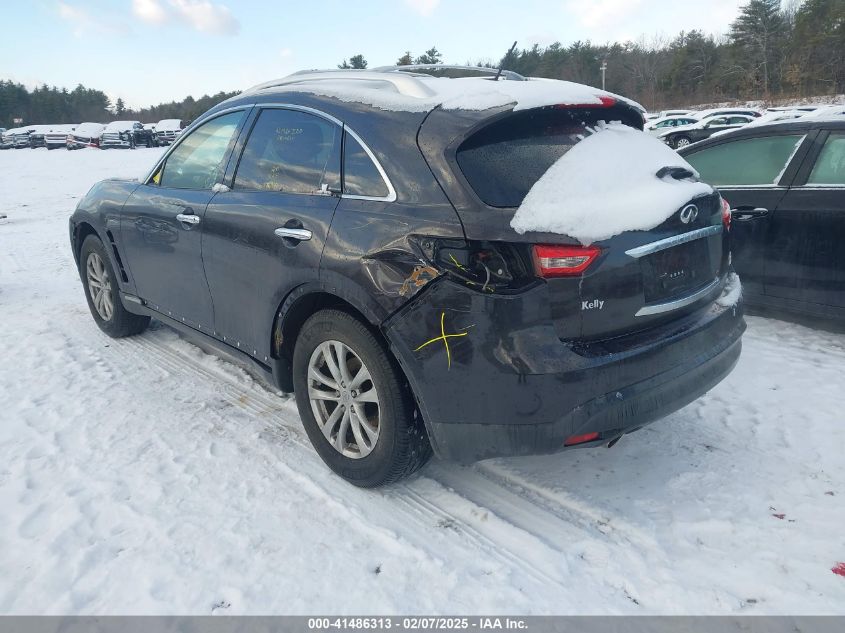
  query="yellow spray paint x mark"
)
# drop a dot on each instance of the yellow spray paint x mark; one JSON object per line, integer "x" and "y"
{"x": 445, "y": 338}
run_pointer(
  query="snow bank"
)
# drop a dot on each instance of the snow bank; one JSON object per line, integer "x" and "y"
{"x": 466, "y": 93}
{"x": 606, "y": 185}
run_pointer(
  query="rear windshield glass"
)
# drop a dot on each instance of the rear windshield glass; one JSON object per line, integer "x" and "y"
{"x": 502, "y": 161}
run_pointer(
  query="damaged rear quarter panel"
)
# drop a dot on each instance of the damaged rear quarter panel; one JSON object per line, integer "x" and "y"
{"x": 374, "y": 260}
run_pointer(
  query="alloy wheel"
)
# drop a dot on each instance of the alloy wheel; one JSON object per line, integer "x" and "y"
{"x": 682, "y": 142}
{"x": 99, "y": 286}
{"x": 344, "y": 399}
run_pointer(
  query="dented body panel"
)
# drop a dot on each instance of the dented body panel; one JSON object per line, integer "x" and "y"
{"x": 497, "y": 379}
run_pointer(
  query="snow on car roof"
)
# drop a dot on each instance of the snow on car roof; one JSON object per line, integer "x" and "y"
{"x": 421, "y": 93}
{"x": 89, "y": 127}
{"x": 121, "y": 126}
{"x": 169, "y": 124}
{"x": 607, "y": 184}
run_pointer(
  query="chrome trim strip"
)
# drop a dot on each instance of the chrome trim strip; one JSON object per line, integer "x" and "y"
{"x": 675, "y": 240}
{"x": 659, "y": 308}
{"x": 391, "y": 192}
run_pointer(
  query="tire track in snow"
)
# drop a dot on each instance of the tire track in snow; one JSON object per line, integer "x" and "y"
{"x": 252, "y": 395}
{"x": 595, "y": 520}
{"x": 491, "y": 508}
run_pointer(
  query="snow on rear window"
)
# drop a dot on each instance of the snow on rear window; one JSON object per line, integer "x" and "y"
{"x": 605, "y": 185}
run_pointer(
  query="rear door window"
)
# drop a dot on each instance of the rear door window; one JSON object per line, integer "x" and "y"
{"x": 830, "y": 166}
{"x": 361, "y": 177}
{"x": 502, "y": 161}
{"x": 291, "y": 152}
{"x": 754, "y": 161}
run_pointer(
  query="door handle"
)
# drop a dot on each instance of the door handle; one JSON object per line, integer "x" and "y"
{"x": 188, "y": 218}
{"x": 303, "y": 235}
{"x": 744, "y": 214}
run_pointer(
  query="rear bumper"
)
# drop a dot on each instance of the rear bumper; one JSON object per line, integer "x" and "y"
{"x": 513, "y": 387}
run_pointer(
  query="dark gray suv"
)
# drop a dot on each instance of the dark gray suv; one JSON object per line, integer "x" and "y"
{"x": 348, "y": 235}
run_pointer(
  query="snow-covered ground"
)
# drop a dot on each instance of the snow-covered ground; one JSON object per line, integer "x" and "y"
{"x": 145, "y": 476}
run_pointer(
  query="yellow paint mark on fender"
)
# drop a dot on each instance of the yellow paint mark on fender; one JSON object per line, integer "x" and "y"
{"x": 445, "y": 338}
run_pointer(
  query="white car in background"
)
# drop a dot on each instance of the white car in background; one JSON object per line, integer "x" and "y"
{"x": 667, "y": 113}
{"x": 707, "y": 114}
{"x": 56, "y": 136}
{"x": 679, "y": 137}
{"x": 667, "y": 123}
{"x": 168, "y": 130}
{"x": 85, "y": 135}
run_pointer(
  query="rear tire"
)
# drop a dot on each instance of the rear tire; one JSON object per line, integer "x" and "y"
{"x": 103, "y": 292}
{"x": 382, "y": 438}
{"x": 682, "y": 141}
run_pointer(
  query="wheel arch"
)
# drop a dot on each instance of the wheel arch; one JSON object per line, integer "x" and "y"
{"x": 82, "y": 230}
{"x": 291, "y": 315}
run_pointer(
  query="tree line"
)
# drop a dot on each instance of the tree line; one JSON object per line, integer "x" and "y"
{"x": 49, "y": 104}
{"x": 773, "y": 50}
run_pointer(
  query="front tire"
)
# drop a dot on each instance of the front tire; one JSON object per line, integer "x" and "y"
{"x": 682, "y": 141}
{"x": 354, "y": 402}
{"x": 102, "y": 292}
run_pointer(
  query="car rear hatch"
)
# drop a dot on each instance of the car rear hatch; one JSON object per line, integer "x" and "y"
{"x": 643, "y": 278}
{"x": 627, "y": 283}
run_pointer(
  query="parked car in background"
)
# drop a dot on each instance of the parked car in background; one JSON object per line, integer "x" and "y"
{"x": 364, "y": 258}
{"x": 36, "y": 135}
{"x": 786, "y": 184}
{"x": 666, "y": 123}
{"x": 7, "y": 139}
{"x": 168, "y": 130}
{"x": 707, "y": 114}
{"x": 686, "y": 135}
{"x": 21, "y": 137}
{"x": 126, "y": 135}
{"x": 151, "y": 127}
{"x": 668, "y": 113}
{"x": 56, "y": 136}
{"x": 85, "y": 135}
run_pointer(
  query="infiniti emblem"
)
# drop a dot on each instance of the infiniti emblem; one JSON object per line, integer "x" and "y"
{"x": 689, "y": 213}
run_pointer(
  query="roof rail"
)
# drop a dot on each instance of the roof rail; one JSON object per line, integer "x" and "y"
{"x": 451, "y": 71}
{"x": 403, "y": 83}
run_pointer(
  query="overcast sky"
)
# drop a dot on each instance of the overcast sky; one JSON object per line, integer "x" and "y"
{"x": 149, "y": 51}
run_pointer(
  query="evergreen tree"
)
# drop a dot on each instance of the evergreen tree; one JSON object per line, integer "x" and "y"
{"x": 759, "y": 34}
{"x": 431, "y": 56}
{"x": 119, "y": 107}
{"x": 358, "y": 61}
{"x": 405, "y": 60}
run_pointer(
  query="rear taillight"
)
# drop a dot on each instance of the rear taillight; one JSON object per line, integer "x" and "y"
{"x": 726, "y": 214}
{"x": 606, "y": 102}
{"x": 574, "y": 440}
{"x": 563, "y": 261}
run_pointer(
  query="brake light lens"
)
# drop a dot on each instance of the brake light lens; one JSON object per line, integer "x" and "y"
{"x": 563, "y": 261}
{"x": 606, "y": 102}
{"x": 581, "y": 439}
{"x": 726, "y": 214}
